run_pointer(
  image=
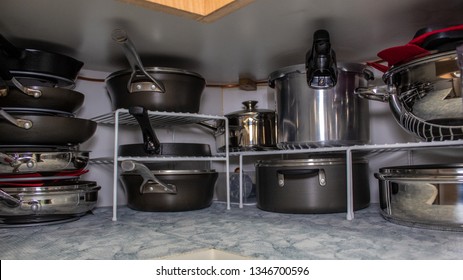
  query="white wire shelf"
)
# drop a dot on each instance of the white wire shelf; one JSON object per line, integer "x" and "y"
{"x": 157, "y": 119}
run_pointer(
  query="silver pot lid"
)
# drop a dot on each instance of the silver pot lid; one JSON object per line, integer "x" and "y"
{"x": 423, "y": 170}
{"x": 300, "y": 69}
{"x": 250, "y": 109}
{"x": 306, "y": 162}
{"x": 435, "y": 58}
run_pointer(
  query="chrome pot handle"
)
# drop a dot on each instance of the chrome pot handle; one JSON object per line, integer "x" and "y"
{"x": 21, "y": 123}
{"x": 376, "y": 93}
{"x": 147, "y": 185}
{"x": 120, "y": 36}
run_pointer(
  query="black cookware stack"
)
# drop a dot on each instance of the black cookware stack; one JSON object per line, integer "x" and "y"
{"x": 40, "y": 160}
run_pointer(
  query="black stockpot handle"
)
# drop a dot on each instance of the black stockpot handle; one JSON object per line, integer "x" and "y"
{"x": 289, "y": 172}
{"x": 151, "y": 143}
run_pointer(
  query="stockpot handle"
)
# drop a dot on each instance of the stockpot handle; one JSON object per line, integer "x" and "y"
{"x": 376, "y": 93}
{"x": 148, "y": 178}
{"x": 120, "y": 36}
{"x": 281, "y": 173}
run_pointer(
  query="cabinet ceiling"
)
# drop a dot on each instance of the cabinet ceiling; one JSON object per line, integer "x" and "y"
{"x": 253, "y": 41}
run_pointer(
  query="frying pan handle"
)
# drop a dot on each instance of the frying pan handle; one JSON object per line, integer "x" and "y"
{"x": 281, "y": 173}
{"x": 150, "y": 183}
{"x": 10, "y": 200}
{"x": 120, "y": 36}
{"x": 6, "y": 75}
{"x": 16, "y": 163}
{"x": 21, "y": 123}
{"x": 151, "y": 143}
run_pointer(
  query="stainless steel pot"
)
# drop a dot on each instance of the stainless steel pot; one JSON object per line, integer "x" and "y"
{"x": 251, "y": 128}
{"x": 425, "y": 196}
{"x": 47, "y": 203}
{"x": 313, "y": 185}
{"x": 332, "y": 116}
{"x": 424, "y": 96}
{"x": 167, "y": 190}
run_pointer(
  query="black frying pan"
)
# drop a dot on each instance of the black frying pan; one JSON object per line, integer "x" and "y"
{"x": 60, "y": 70}
{"x": 45, "y": 129}
{"x": 151, "y": 145}
{"x": 14, "y": 94}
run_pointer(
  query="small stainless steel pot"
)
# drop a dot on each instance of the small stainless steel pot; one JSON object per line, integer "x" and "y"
{"x": 425, "y": 196}
{"x": 251, "y": 128}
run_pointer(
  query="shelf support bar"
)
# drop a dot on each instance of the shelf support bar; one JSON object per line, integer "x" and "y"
{"x": 350, "y": 193}
{"x": 115, "y": 163}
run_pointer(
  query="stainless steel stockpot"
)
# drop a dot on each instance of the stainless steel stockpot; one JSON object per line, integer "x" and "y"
{"x": 425, "y": 196}
{"x": 308, "y": 117}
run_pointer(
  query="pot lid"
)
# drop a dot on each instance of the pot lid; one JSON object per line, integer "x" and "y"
{"x": 449, "y": 56}
{"x": 300, "y": 69}
{"x": 428, "y": 169}
{"x": 250, "y": 108}
{"x": 305, "y": 162}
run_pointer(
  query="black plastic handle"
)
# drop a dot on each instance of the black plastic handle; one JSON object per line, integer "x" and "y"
{"x": 151, "y": 143}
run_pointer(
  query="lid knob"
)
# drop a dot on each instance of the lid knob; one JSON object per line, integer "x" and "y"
{"x": 250, "y": 105}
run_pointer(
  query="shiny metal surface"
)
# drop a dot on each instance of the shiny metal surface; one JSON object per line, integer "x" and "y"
{"x": 252, "y": 128}
{"x": 426, "y": 196}
{"x": 26, "y": 162}
{"x": 72, "y": 198}
{"x": 324, "y": 117}
{"x": 424, "y": 96}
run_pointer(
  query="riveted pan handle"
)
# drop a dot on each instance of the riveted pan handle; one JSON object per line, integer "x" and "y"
{"x": 7, "y": 76}
{"x": 10, "y": 200}
{"x": 21, "y": 123}
{"x": 281, "y": 173}
{"x": 150, "y": 183}
{"x": 120, "y": 36}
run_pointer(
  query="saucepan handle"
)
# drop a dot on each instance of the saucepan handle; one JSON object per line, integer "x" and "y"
{"x": 150, "y": 183}
{"x": 282, "y": 173}
{"x": 120, "y": 36}
{"x": 21, "y": 123}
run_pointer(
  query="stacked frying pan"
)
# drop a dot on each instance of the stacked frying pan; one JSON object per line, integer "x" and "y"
{"x": 40, "y": 161}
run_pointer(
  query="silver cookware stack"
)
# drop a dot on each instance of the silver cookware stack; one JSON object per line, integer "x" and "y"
{"x": 40, "y": 159}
